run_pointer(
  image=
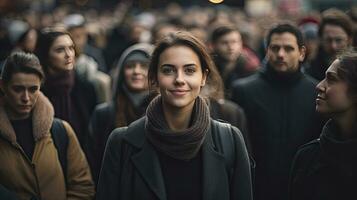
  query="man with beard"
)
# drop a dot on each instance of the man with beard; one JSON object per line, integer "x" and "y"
{"x": 280, "y": 109}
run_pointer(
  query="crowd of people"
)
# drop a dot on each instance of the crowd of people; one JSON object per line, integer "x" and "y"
{"x": 178, "y": 103}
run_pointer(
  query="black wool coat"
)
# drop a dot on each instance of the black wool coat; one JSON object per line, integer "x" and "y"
{"x": 281, "y": 117}
{"x": 131, "y": 169}
{"x": 325, "y": 170}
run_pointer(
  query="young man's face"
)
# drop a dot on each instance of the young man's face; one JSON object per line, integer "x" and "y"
{"x": 21, "y": 94}
{"x": 283, "y": 52}
{"x": 229, "y": 46}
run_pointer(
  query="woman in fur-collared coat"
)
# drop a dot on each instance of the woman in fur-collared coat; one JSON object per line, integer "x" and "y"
{"x": 30, "y": 167}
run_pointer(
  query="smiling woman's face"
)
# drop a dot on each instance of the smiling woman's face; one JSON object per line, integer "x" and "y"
{"x": 333, "y": 97}
{"x": 180, "y": 77}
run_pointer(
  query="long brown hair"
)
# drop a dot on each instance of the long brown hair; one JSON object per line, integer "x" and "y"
{"x": 44, "y": 42}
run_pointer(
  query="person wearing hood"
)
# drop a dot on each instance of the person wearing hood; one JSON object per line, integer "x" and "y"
{"x": 130, "y": 99}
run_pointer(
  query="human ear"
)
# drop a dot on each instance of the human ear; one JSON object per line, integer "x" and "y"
{"x": 302, "y": 53}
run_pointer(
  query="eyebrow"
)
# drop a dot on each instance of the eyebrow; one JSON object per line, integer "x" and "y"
{"x": 24, "y": 87}
{"x": 331, "y": 73}
{"x": 171, "y": 65}
{"x": 61, "y": 46}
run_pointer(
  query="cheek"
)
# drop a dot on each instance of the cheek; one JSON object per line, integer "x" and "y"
{"x": 195, "y": 82}
{"x": 127, "y": 74}
{"x": 35, "y": 97}
{"x": 54, "y": 58}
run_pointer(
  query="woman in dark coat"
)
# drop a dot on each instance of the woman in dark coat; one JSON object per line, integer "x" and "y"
{"x": 325, "y": 169}
{"x": 130, "y": 99}
{"x": 72, "y": 96}
{"x": 175, "y": 151}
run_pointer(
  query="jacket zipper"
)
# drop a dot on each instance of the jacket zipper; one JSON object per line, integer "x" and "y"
{"x": 33, "y": 168}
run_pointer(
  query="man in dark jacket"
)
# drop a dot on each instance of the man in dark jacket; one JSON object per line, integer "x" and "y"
{"x": 280, "y": 109}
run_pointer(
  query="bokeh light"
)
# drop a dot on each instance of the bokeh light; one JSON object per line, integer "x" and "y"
{"x": 216, "y": 1}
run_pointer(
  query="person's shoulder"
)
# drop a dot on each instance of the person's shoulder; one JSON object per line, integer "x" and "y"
{"x": 227, "y": 105}
{"x": 307, "y": 150}
{"x": 104, "y": 107}
{"x": 247, "y": 81}
{"x": 222, "y": 124}
{"x": 132, "y": 134}
{"x": 309, "y": 79}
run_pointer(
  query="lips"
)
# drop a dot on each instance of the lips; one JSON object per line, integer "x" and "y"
{"x": 179, "y": 92}
{"x": 25, "y": 107}
{"x": 280, "y": 63}
{"x": 320, "y": 97}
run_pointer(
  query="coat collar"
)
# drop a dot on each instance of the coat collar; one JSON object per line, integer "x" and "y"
{"x": 42, "y": 118}
{"x": 215, "y": 180}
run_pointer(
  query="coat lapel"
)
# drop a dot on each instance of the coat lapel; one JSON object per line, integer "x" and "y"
{"x": 215, "y": 180}
{"x": 148, "y": 165}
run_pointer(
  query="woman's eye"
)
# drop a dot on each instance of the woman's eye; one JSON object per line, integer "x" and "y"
{"x": 190, "y": 70}
{"x": 167, "y": 70}
{"x": 59, "y": 50}
{"x": 331, "y": 79}
{"x": 33, "y": 89}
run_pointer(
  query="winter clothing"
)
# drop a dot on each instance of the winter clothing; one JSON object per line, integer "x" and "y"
{"x": 232, "y": 113}
{"x": 280, "y": 110}
{"x": 132, "y": 170}
{"x": 181, "y": 145}
{"x": 242, "y": 68}
{"x": 121, "y": 111}
{"x": 318, "y": 65}
{"x": 325, "y": 169}
{"x": 87, "y": 68}
{"x": 41, "y": 176}
{"x": 75, "y": 100}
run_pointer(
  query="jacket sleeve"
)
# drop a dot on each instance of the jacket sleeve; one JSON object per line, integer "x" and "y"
{"x": 241, "y": 185}
{"x": 79, "y": 180}
{"x": 109, "y": 178}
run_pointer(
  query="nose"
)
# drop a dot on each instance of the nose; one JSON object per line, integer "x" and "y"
{"x": 25, "y": 96}
{"x": 334, "y": 45}
{"x": 320, "y": 87}
{"x": 231, "y": 46}
{"x": 69, "y": 52}
{"x": 137, "y": 68}
{"x": 281, "y": 52}
{"x": 179, "y": 80}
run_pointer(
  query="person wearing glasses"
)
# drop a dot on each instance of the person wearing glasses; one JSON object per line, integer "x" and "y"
{"x": 335, "y": 33}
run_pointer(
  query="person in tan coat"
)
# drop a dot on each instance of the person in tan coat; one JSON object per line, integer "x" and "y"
{"x": 30, "y": 167}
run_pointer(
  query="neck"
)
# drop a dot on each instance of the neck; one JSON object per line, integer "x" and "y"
{"x": 178, "y": 118}
{"x": 347, "y": 123}
{"x": 15, "y": 116}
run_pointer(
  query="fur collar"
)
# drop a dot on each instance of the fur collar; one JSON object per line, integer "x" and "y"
{"x": 42, "y": 118}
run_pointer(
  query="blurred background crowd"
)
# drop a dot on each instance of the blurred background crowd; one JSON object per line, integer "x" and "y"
{"x": 233, "y": 30}
{"x": 109, "y": 27}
